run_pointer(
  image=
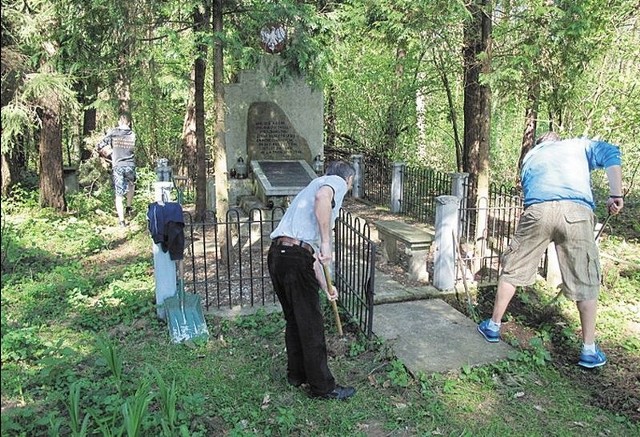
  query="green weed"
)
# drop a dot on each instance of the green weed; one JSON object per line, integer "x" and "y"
{"x": 77, "y": 337}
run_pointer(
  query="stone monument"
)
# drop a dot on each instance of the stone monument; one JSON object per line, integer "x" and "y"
{"x": 271, "y": 122}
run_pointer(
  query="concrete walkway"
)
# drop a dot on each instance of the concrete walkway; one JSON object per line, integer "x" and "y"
{"x": 426, "y": 333}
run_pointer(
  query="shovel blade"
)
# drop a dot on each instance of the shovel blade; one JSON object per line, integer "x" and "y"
{"x": 185, "y": 318}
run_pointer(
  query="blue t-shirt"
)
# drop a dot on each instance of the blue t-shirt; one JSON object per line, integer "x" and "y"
{"x": 561, "y": 170}
{"x": 299, "y": 221}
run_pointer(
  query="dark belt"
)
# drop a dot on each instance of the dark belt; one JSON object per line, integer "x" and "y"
{"x": 287, "y": 241}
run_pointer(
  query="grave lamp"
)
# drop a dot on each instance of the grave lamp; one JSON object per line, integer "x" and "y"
{"x": 318, "y": 165}
{"x": 163, "y": 170}
{"x": 241, "y": 169}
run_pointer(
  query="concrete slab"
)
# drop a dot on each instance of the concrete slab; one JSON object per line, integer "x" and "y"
{"x": 431, "y": 336}
{"x": 389, "y": 290}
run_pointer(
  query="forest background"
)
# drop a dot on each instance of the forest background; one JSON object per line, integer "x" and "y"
{"x": 452, "y": 85}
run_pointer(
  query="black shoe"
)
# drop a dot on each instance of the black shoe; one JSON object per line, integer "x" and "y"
{"x": 122, "y": 224}
{"x": 339, "y": 393}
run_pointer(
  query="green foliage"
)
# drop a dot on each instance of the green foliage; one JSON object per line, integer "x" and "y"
{"x": 135, "y": 410}
{"x": 78, "y": 425}
{"x": 398, "y": 374}
{"x": 112, "y": 359}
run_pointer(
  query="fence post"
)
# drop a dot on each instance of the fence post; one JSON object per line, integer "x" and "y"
{"x": 356, "y": 161}
{"x": 211, "y": 193}
{"x": 444, "y": 268}
{"x": 458, "y": 181}
{"x": 396, "y": 187}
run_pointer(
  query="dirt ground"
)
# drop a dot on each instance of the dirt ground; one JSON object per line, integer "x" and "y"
{"x": 615, "y": 387}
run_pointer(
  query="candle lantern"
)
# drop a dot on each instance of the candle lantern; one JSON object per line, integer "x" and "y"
{"x": 318, "y": 165}
{"x": 241, "y": 169}
{"x": 163, "y": 170}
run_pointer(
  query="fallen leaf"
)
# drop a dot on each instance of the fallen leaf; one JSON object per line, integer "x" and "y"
{"x": 265, "y": 401}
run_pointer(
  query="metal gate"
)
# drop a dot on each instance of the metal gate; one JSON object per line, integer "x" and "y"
{"x": 226, "y": 262}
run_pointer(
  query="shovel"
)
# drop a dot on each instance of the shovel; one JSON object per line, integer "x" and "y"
{"x": 185, "y": 317}
{"x": 334, "y": 306}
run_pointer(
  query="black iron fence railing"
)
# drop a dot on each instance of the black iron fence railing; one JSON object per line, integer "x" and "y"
{"x": 487, "y": 229}
{"x": 377, "y": 180}
{"x": 421, "y": 187}
{"x": 355, "y": 255}
{"x": 226, "y": 262}
{"x": 487, "y": 224}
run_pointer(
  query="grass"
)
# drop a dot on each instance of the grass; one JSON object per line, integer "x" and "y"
{"x": 83, "y": 354}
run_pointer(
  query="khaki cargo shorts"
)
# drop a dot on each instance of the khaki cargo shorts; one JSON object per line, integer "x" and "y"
{"x": 570, "y": 226}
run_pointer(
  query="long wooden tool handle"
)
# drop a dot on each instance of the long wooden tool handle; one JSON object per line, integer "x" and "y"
{"x": 327, "y": 277}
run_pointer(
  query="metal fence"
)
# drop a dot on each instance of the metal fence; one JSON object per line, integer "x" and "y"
{"x": 355, "y": 255}
{"x": 226, "y": 262}
{"x": 421, "y": 187}
{"x": 486, "y": 230}
{"x": 486, "y": 224}
{"x": 377, "y": 180}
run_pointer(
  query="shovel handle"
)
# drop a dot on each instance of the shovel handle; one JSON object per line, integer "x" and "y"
{"x": 334, "y": 306}
{"x": 603, "y": 226}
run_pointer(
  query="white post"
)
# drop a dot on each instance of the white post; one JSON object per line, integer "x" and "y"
{"x": 444, "y": 269}
{"x": 358, "y": 181}
{"x": 164, "y": 269}
{"x": 164, "y": 274}
{"x": 211, "y": 194}
{"x": 457, "y": 184}
{"x": 396, "y": 187}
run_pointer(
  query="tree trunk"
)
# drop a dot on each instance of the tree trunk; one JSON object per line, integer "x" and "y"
{"x": 477, "y": 108}
{"x": 189, "y": 141}
{"x": 89, "y": 117}
{"x": 330, "y": 119}
{"x": 531, "y": 118}
{"x": 51, "y": 176}
{"x": 439, "y": 62}
{"x": 220, "y": 147}
{"x": 200, "y": 67}
{"x": 392, "y": 123}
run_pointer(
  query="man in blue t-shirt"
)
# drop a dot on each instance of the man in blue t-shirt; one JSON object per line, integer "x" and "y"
{"x": 301, "y": 246}
{"x": 121, "y": 141}
{"x": 558, "y": 201}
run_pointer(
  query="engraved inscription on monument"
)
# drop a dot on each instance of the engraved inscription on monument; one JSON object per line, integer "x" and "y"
{"x": 270, "y": 134}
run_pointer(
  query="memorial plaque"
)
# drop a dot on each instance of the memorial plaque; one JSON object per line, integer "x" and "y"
{"x": 271, "y": 136}
{"x": 281, "y": 178}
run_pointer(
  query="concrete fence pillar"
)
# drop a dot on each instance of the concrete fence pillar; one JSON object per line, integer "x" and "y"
{"x": 444, "y": 268}
{"x": 396, "y": 186}
{"x": 164, "y": 274}
{"x": 162, "y": 191}
{"x": 458, "y": 181}
{"x": 211, "y": 194}
{"x": 358, "y": 181}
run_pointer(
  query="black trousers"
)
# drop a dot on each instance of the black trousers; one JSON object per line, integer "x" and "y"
{"x": 295, "y": 284}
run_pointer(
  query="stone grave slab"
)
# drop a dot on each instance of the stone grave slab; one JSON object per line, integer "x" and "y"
{"x": 278, "y": 178}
